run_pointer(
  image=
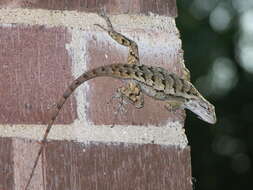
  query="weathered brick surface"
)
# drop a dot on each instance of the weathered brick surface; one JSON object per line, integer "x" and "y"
{"x": 116, "y": 166}
{"x": 6, "y": 164}
{"x": 37, "y": 64}
{"x": 162, "y": 7}
{"x": 70, "y": 165}
{"x": 24, "y": 153}
{"x": 35, "y": 70}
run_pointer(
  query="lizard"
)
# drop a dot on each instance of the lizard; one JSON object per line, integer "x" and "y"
{"x": 156, "y": 82}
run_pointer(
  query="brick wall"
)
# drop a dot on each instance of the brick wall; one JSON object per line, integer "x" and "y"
{"x": 42, "y": 51}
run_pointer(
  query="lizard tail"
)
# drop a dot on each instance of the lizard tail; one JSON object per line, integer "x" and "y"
{"x": 109, "y": 71}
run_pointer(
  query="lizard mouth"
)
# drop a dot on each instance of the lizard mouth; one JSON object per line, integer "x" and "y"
{"x": 208, "y": 119}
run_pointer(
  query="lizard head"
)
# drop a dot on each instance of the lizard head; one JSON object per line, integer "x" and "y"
{"x": 203, "y": 109}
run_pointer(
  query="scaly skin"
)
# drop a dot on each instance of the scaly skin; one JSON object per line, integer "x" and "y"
{"x": 156, "y": 82}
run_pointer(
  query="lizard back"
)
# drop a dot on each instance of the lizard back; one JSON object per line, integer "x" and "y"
{"x": 154, "y": 81}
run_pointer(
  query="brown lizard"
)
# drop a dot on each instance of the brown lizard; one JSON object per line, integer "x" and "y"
{"x": 156, "y": 82}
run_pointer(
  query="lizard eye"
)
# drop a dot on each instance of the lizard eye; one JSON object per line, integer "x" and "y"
{"x": 204, "y": 106}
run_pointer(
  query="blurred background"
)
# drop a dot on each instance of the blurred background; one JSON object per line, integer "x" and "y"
{"x": 217, "y": 38}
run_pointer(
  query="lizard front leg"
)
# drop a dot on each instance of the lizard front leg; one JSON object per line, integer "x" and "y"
{"x": 174, "y": 104}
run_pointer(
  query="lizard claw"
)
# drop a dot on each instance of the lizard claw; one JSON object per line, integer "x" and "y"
{"x": 120, "y": 109}
{"x": 98, "y": 25}
{"x": 116, "y": 95}
{"x": 102, "y": 14}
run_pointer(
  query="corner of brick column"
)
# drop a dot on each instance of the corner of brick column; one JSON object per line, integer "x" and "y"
{"x": 44, "y": 47}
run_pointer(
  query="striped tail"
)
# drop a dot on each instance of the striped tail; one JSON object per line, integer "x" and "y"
{"x": 109, "y": 71}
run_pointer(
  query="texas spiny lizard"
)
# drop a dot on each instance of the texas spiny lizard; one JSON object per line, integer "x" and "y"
{"x": 156, "y": 82}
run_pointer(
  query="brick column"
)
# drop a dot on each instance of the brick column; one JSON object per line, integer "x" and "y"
{"x": 42, "y": 51}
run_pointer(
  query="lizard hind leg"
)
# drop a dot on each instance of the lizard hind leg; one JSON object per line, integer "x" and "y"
{"x": 133, "y": 53}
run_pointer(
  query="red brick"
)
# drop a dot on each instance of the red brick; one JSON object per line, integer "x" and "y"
{"x": 121, "y": 166}
{"x": 6, "y": 164}
{"x": 161, "y": 7}
{"x": 72, "y": 165}
{"x": 35, "y": 70}
{"x": 24, "y": 153}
